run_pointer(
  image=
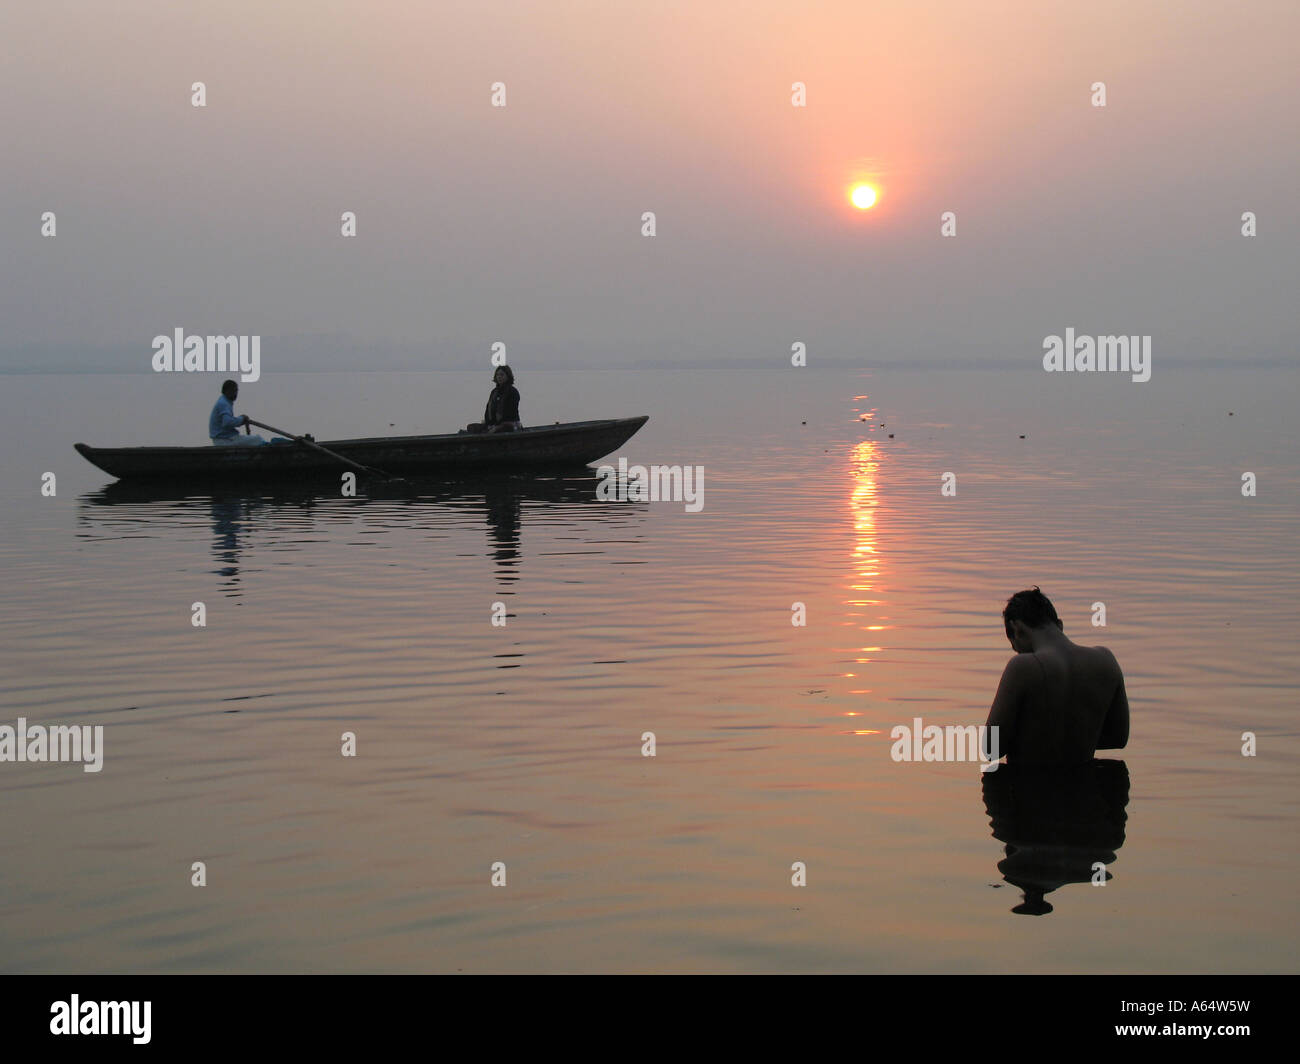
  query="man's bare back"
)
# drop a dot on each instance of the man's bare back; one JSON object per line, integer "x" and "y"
{"x": 1058, "y": 703}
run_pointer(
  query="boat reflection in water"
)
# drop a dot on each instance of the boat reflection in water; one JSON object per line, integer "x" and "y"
{"x": 1057, "y": 823}
{"x": 289, "y": 518}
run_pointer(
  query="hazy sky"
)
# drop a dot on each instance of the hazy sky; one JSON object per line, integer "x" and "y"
{"x": 523, "y": 223}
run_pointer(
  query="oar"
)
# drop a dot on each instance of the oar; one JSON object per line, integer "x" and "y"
{"x": 368, "y": 470}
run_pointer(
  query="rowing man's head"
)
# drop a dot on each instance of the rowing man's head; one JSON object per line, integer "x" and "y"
{"x": 1026, "y": 610}
{"x": 230, "y": 390}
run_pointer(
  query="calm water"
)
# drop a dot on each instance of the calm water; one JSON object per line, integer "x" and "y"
{"x": 522, "y": 744}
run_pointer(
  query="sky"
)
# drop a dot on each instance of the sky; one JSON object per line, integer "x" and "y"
{"x": 523, "y": 224}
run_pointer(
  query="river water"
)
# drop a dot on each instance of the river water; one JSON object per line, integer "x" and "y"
{"x": 522, "y": 743}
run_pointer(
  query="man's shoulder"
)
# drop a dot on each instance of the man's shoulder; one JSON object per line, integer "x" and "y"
{"x": 1102, "y": 654}
{"x": 1101, "y": 659}
{"x": 1020, "y": 667}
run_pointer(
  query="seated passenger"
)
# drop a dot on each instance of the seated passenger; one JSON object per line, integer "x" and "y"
{"x": 502, "y": 411}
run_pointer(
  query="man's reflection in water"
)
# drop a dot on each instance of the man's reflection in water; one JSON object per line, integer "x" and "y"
{"x": 228, "y": 522}
{"x": 503, "y": 505}
{"x": 1056, "y": 823}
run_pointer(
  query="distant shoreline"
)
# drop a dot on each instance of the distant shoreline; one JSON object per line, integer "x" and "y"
{"x": 749, "y": 365}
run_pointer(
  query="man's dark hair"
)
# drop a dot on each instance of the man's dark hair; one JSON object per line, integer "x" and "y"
{"x": 510, "y": 374}
{"x": 1032, "y": 608}
{"x": 227, "y": 387}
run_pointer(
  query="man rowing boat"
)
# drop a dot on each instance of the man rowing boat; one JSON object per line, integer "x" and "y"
{"x": 1058, "y": 703}
{"x": 224, "y": 424}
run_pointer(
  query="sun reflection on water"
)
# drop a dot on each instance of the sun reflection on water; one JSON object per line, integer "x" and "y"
{"x": 863, "y": 503}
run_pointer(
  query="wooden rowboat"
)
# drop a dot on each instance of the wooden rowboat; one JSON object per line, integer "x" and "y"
{"x": 542, "y": 448}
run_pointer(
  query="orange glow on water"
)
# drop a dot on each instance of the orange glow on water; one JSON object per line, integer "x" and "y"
{"x": 863, "y": 503}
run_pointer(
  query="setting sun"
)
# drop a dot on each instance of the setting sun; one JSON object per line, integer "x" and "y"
{"x": 863, "y": 197}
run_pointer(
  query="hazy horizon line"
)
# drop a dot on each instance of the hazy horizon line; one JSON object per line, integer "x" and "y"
{"x": 752, "y": 364}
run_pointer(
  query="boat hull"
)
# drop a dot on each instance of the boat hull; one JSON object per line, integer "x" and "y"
{"x": 544, "y": 448}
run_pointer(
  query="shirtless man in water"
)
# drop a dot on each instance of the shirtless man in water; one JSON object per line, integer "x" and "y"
{"x": 1058, "y": 703}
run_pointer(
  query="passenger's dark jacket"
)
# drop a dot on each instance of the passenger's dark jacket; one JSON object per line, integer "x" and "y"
{"x": 502, "y": 405}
